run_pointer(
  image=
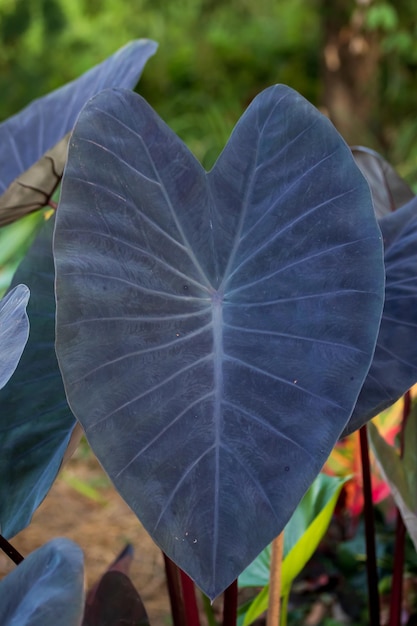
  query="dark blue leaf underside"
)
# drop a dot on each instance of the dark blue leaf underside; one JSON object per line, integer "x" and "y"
{"x": 394, "y": 366}
{"x": 204, "y": 325}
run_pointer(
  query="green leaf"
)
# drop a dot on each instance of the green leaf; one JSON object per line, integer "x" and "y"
{"x": 308, "y": 525}
{"x": 258, "y": 606}
{"x": 382, "y": 17}
{"x": 400, "y": 473}
{"x": 302, "y": 535}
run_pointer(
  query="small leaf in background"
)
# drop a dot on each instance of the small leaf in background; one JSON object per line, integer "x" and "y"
{"x": 302, "y": 535}
{"x": 14, "y": 330}
{"x": 204, "y": 320}
{"x": 113, "y": 600}
{"x": 33, "y": 143}
{"x": 400, "y": 473}
{"x": 46, "y": 588}
{"x": 389, "y": 190}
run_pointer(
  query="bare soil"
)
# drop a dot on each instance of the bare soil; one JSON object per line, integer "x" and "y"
{"x": 83, "y": 506}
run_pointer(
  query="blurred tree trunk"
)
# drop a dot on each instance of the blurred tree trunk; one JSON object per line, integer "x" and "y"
{"x": 350, "y": 71}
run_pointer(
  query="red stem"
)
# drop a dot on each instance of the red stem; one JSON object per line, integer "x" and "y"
{"x": 11, "y": 552}
{"x": 190, "y": 601}
{"x": 230, "y": 605}
{"x": 175, "y": 593}
{"x": 371, "y": 568}
{"x": 399, "y": 554}
{"x": 397, "y": 576}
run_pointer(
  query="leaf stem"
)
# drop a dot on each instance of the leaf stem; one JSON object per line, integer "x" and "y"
{"x": 230, "y": 605}
{"x": 397, "y": 576}
{"x": 284, "y": 609}
{"x": 190, "y": 601}
{"x": 399, "y": 553}
{"x": 175, "y": 594}
{"x": 11, "y": 552}
{"x": 274, "y": 603}
{"x": 371, "y": 567}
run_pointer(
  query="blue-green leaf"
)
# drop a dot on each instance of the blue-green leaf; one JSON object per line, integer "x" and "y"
{"x": 46, "y": 588}
{"x": 35, "y": 420}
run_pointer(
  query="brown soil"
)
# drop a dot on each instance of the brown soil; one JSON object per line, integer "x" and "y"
{"x": 101, "y": 523}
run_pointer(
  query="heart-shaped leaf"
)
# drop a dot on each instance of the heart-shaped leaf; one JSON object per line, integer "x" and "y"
{"x": 35, "y": 420}
{"x": 46, "y": 588}
{"x": 14, "y": 330}
{"x": 389, "y": 191}
{"x": 33, "y": 143}
{"x": 394, "y": 366}
{"x": 214, "y": 329}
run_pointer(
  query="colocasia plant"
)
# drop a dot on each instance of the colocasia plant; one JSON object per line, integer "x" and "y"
{"x": 216, "y": 332}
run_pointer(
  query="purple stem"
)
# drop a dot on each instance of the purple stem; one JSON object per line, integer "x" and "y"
{"x": 372, "y": 572}
{"x": 172, "y": 574}
{"x": 230, "y": 605}
{"x": 190, "y": 601}
{"x": 11, "y": 552}
{"x": 399, "y": 554}
{"x": 397, "y": 576}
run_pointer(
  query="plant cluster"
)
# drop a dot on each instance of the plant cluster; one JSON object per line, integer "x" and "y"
{"x": 214, "y": 333}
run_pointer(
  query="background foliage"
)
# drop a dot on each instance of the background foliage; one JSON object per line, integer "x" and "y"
{"x": 355, "y": 58}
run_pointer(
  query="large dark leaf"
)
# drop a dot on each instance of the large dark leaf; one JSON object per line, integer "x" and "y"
{"x": 46, "y": 588}
{"x": 394, "y": 367}
{"x": 35, "y": 420}
{"x": 32, "y": 142}
{"x": 214, "y": 330}
{"x": 14, "y": 330}
{"x": 389, "y": 191}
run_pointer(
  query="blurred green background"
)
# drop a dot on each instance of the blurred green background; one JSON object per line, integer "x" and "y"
{"x": 354, "y": 59}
